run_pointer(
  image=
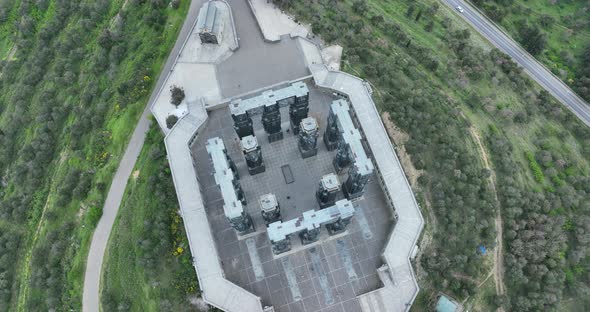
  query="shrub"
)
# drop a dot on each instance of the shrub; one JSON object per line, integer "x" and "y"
{"x": 176, "y": 95}
{"x": 171, "y": 121}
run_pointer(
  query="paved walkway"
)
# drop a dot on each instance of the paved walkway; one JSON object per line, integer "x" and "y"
{"x": 91, "y": 292}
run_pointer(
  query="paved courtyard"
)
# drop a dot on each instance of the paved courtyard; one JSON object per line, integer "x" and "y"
{"x": 257, "y": 63}
{"x": 324, "y": 276}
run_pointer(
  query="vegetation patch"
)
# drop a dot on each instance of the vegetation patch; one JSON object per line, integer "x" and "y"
{"x": 148, "y": 265}
{"x": 75, "y": 77}
{"x": 437, "y": 78}
{"x": 556, "y": 32}
{"x": 537, "y": 171}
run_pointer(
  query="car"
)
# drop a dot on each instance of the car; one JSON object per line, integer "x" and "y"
{"x": 460, "y": 9}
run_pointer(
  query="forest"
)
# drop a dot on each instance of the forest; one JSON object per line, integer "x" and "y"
{"x": 75, "y": 77}
{"x": 446, "y": 87}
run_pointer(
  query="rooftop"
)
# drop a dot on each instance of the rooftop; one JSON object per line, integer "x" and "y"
{"x": 208, "y": 18}
{"x": 330, "y": 273}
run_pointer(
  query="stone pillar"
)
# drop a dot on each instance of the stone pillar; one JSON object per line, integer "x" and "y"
{"x": 327, "y": 192}
{"x": 308, "y": 137}
{"x": 239, "y": 192}
{"x": 332, "y": 134}
{"x": 298, "y": 110}
{"x": 271, "y": 121}
{"x": 309, "y": 236}
{"x": 243, "y": 224}
{"x": 343, "y": 157}
{"x": 243, "y": 124}
{"x": 253, "y": 155}
{"x": 358, "y": 177}
{"x": 232, "y": 165}
{"x": 338, "y": 226}
{"x": 270, "y": 209}
{"x": 281, "y": 246}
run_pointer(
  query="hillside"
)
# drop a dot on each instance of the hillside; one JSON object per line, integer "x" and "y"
{"x": 557, "y": 32}
{"x": 446, "y": 87}
{"x": 148, "y": 264}
{"x": 75, "y": 76}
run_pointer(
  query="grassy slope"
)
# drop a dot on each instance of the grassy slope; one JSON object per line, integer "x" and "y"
{"x": 144, "y": 269}
{"x": 489, "y": 103}
{"x": 55, "y": 236}
{"x": 122, "y": 121}
{"x": 567, "y": 35}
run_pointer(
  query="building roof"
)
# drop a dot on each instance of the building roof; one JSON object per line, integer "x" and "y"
{"x": 224, "y": 177}
{"x": 253, "y": 104}
{"x": 208, "y": 20}
{"x": 352, "y": 137}
{"x": 311, "y": 219}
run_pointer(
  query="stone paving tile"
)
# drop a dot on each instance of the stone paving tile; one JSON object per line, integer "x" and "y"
{"x": 296, "y": 306}
{"x": 334, "y": 308}
{"x": 351, "y": 306}
{"x": 307, "y": 288}
{"x": 311, "y": 303}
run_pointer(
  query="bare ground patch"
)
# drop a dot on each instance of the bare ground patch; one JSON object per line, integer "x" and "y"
{"x": 400, "y": 138}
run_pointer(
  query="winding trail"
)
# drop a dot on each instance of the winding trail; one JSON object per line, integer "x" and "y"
{"x": 100, "y": 238}
{"x": 499, "y": 250}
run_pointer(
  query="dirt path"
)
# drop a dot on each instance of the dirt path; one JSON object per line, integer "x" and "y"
{"x": 118, "y": 15}
{"x": 465, "y": 277}
{"x": 24, "y": 286}
{"x": 11, "y": 53}
{"x": 499, "y": 250}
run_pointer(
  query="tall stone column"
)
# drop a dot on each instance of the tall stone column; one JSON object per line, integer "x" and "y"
{"x": 243, "y": 224}
{"x": 338, "y": 226}
{"x": 332, "y": 134}
{"x": 270, "y": 209}
{"x": 308, "y": 137}
{"x": 239, "y": 192}
{"x": 253, "y": 155}
{"x": 309, "y": 236}
{"x": 358, "y": 177}
{"x": 328, "y": 190}
{"x": 281, "y": 246}
{"x": 298, "y": 111}
{"x": 242, "y": 124}
{"x": 271, "y": 121}
{"x": 343, "y": 157}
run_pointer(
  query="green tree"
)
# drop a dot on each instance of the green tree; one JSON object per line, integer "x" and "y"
{"x": 171, "y": 121}
{"x": 176, "y": 95}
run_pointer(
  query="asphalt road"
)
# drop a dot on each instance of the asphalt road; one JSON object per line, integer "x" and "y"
{"x": 532, "y": 67}
{"x": 90, "y": 298}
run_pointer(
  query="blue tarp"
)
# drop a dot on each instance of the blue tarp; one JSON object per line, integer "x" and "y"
{"x": 481, "y": 250}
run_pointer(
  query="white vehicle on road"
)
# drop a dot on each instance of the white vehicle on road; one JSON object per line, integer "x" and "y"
{"x": 460, "y": 9}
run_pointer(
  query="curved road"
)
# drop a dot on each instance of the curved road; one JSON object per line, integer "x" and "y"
{"x": 532, "y": 67}
{"x": 90, "y": 298}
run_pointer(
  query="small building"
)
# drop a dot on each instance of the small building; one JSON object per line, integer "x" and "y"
{"x": 210, "y": 23}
